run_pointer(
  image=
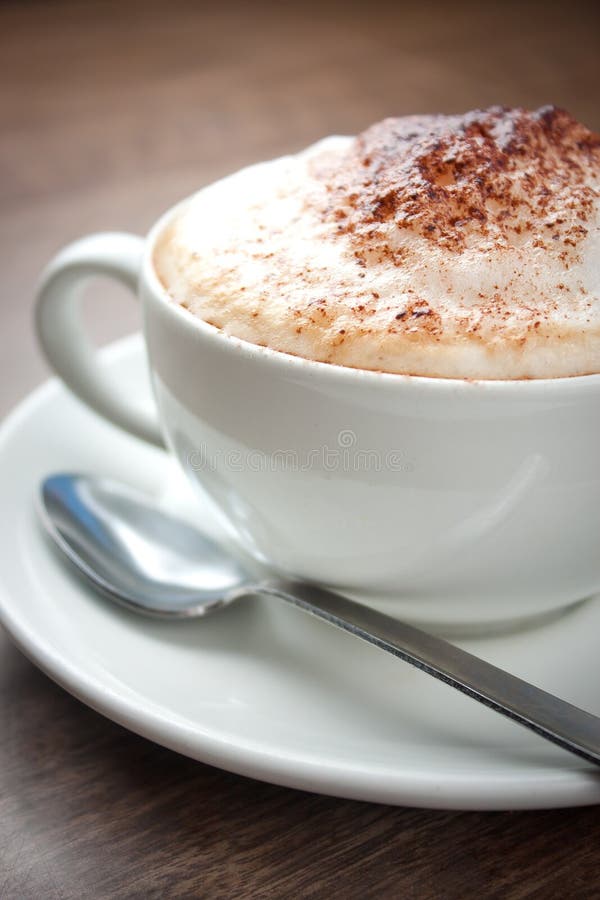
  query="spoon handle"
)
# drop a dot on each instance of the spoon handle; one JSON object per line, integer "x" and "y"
{"x": 554, "y": 719}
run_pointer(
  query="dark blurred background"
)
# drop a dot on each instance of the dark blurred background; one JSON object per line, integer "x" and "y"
{"x": 111, "y": 111}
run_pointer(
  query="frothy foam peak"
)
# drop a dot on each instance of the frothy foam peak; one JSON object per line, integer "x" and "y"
{"x": 448, "y": 246}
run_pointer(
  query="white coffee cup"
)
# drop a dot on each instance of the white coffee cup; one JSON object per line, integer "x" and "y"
{"x": 442, "y": 501}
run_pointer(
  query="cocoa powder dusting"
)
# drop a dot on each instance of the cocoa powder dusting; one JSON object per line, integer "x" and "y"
{"x": 488, "y": 175}
{"x": 461, "y": 246}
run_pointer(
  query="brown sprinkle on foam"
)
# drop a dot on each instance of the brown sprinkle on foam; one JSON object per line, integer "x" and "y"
{"x": 491, "y": 173}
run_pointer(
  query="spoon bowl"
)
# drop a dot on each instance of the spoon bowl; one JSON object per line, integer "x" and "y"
{"x": 139, "y": 555}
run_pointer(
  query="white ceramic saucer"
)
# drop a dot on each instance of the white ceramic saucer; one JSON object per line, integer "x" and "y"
{"x": 262, "y": 689}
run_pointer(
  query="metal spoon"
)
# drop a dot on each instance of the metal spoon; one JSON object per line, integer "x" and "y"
{"x": 157, "y": 565}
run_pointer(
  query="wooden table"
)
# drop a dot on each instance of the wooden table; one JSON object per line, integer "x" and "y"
{"x": 110, "y": 112}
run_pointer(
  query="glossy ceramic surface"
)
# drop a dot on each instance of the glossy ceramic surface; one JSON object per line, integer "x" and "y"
{"x": 447, "y": 502}
{"x": 262, "y": 689}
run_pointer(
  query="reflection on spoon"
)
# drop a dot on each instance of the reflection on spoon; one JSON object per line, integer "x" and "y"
{"x": 155, "y": 564}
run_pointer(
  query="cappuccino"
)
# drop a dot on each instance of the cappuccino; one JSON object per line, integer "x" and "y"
{"x": 446, "y": 246}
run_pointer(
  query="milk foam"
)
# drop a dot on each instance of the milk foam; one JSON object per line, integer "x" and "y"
{"x": 449, "y": 246}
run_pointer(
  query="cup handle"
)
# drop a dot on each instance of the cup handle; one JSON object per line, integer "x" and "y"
{"x": 63, "y": 338}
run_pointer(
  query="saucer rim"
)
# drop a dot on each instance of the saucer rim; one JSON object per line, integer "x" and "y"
{"x": 522, "y": 788}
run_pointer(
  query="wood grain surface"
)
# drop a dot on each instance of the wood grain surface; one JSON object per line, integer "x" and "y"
{"x": 111, "y": 111}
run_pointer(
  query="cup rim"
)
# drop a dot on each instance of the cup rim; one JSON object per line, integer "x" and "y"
{"x": 522, "y": 387}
